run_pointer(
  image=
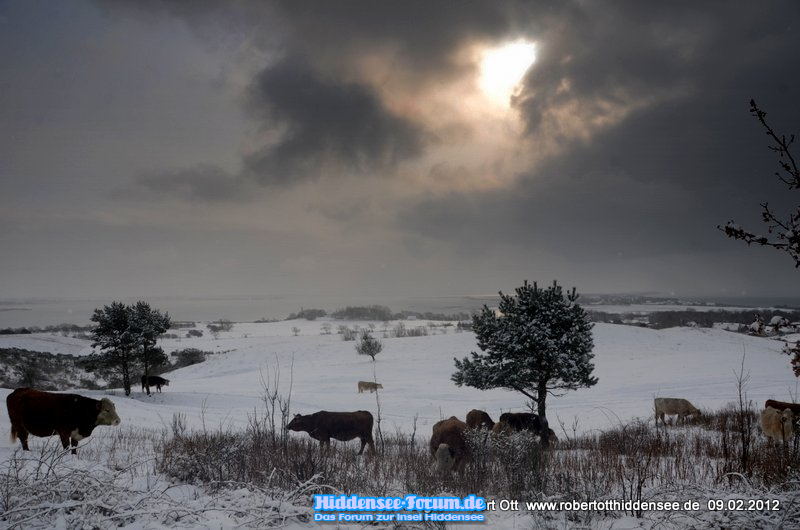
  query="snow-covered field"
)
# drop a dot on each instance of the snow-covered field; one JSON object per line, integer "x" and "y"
{"x": 633, "y": 366}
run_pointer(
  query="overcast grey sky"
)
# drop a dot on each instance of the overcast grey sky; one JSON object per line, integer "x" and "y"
{"x": 354, "y": 148}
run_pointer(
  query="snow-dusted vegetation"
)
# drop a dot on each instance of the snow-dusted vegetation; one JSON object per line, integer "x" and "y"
{"x": 210, "y": 451}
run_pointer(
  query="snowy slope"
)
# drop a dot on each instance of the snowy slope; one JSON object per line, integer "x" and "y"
{"x": 633, "y": 366}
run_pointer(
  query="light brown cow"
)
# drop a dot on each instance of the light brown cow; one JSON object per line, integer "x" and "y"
{"x": 368, "y": 385}
{"x": 448, "y": 446}
{"x": 478, "y": 419}
{"x": 777, "y": 425}
{"x": 672, "y": 407}
{"x": 783, "y": 405}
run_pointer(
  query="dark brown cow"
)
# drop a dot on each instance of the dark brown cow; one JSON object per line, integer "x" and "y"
{"x": 154, "y": 380}
{"x": 343, "y": 426}
{"x": 71, "y": 416}
{"x": 448, "y": 445}
{"x": 477, "y": 419}
{"x": 525, "y": 421}
{"x": 783, "y": 405}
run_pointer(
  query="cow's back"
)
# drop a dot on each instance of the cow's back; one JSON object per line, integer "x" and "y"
{"x": 477, "y": 418}
{"x": 42, "y": 413}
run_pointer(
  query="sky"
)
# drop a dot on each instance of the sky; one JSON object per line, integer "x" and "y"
{"x": 384, "y": 149}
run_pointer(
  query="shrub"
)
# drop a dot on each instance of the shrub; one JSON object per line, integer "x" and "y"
{"x": 188, "y": 357}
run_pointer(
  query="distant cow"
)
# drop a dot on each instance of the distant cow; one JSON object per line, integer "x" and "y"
{"x": 153, "y": 380}
{"x": 368, "y": 385}
{"x": 477, "y": 419}
{"x": 71, "y": 416}
{"x": 777, "y": 425}
{"x": 448, "y": 446}
{"x": 672, "y": 407}
{"x": 783, "y": 405}
{"x": 343, "y": 426}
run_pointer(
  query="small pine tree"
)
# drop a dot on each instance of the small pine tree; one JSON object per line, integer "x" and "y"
{"x": 127, "y": 336}
{"x": 540, "y": 342}
{"x": 369, "y": 345}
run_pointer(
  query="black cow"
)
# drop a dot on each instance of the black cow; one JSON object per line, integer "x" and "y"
{"x": 154, "y": 380}
{"x": 71, "y": 416}
{"x": 525, "y": 421}
{"x": 343, "y": 426}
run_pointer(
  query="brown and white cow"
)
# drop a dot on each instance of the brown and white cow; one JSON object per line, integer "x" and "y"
{"x": 368, "y": 385}
{"x": 478, "y": 419}
{"x": 343, "y": 426}
{"x": 777, "y": 425}
{"x": 71, "y": 416}
{"x": 674, "y": 407}
{"x": 448, "y": 445}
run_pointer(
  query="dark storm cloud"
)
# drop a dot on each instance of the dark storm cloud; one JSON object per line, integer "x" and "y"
{"x": 326, "y": 126}
{"x": 424, "y": 37}
{"x": 660, "y": 179}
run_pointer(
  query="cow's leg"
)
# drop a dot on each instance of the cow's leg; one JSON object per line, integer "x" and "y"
{"x": 74, "y": 444}
{"x": 325, "y": 444}
{"x": 23, "y": 437}
{"x": 64, "y": 439}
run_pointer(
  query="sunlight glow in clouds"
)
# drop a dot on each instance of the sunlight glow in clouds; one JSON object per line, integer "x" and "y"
{"x": 502, "y": 69}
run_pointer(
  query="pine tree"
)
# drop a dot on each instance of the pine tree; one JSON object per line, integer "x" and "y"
{"x": 539, "y": 342}
{"x": 146, "y": 325}
{"x": 115, "y": 340}
{"x": 127, "y": 336}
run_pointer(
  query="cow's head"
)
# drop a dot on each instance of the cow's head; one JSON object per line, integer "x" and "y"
{"x": 300, "y": 423}
{"x": 107, "y": 413}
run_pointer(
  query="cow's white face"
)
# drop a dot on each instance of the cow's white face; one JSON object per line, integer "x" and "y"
{"x": 107, "y": 415}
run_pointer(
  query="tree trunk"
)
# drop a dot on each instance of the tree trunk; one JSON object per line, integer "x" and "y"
{"x": 542, "y": 410}
{"x": 126, "y": 378}
{"x": 146, "y": 373}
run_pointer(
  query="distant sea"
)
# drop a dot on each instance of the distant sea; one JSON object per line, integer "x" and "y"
{"x": 40, "y": 312}
{"x": 43, "y": 312}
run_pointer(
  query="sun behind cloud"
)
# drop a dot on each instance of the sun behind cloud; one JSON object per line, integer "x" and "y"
{"x": 502, "y": 69}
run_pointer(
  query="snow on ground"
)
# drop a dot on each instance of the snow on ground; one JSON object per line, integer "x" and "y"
{"x": 633, "y": 366}
{"x": 47, "y": 342}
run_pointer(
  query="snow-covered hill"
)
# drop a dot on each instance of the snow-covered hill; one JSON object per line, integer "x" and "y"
{"x": 633, "y": 366}
{"x": 318, "y": 371}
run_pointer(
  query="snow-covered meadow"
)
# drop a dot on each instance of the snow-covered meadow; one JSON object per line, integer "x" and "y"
{"x": 320, "y": 371}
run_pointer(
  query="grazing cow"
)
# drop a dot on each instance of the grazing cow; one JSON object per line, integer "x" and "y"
{"x": 71, "y": 416}
{"x": 525, "y": 421}
{"x": 674, "y": 406}
{"x": 448, "y": 446}
{"x": 783, "y": 405}
{"x": 154, "y": 380}
{"x": 777, "y": 425}
{"x": 368, "y": 385}
{"x": 343, "y": 426}
{"x": 477, "y": 419}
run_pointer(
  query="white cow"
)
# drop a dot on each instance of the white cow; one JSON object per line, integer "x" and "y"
{"x": 777, "y": 425}
{"x": 674, "y": 406}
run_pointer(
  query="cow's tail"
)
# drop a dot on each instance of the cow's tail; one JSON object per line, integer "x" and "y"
{"x": 13, "y": 434}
